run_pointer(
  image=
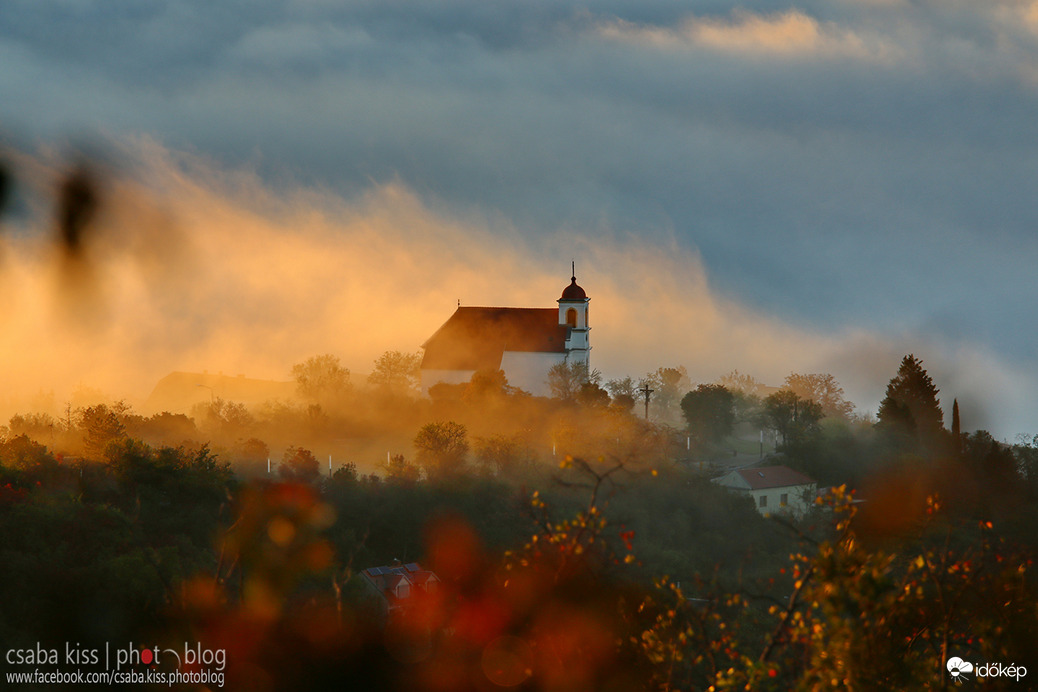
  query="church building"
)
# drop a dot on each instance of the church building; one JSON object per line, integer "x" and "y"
{"x": 523, "y": 342}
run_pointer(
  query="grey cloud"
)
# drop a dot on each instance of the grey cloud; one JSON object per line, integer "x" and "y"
{"x": 832, "y": 191}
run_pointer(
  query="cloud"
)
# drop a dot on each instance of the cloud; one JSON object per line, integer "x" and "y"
{"x": 868, "y": 169}
{"x": 197, "y": 266}
{"x": 298, "y": 46}
{"x": 789, "y": 34}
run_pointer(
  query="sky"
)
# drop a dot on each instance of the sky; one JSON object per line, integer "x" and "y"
{"x": 773, "y": 187}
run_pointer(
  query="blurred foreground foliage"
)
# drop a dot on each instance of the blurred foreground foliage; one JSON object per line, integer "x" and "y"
{"x": 560, "y": 587}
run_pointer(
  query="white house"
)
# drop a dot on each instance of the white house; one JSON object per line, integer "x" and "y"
{"x": 774, "y": 489}
{"x": 523, "y": 342}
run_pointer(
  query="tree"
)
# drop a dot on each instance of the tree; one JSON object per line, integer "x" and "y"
{"x": 624, "y": 392}
{"x": 956, "y": 428}
{"x": 299, "y": 465}
{"x": 709, "y": 410}
{"x": 792, "y": 417}
{"x": 592, "y": 395}
{"x": 399, "y": 470}
{"x": 994, "y": 463}
{"x": 396, "y": 371}
{"x": 736, "y": 381}
{"x": 1026, "y": 452}
{"x": 230, "y": 419}
{"x": 747, "y": 391}
{"x": 99, "y": 425}
{"x": 565, "y": 379}
{"x": 668, "y": 384}
{"x": 623, "y": 402}
{"x": 23, "y": 452}
{"x": 487, "y": 384}
{"x": 38, "y": 426}
{"x": 502, "y": 454}
{"x": 321, "y": 379}
{"x": 910, "y": 409}
{"x": 252, "y": 453}
{"x": 622, "y": 387}
{"x": 166, "y": 428}
{"x": 441, "y": 448}
{"x": 824, "y": 389}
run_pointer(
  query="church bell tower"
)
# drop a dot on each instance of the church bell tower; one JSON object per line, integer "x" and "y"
{"x": 573, "y": 313}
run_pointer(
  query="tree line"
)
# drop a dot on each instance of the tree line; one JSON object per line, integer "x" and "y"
{"x": 600, "y": 558}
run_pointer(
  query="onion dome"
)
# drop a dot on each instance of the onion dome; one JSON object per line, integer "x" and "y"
{"x": 573, "y": 291}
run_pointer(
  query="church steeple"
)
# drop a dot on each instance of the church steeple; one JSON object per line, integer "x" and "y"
{"x": 573, "y": 312}
{"x": 573, "y": 292}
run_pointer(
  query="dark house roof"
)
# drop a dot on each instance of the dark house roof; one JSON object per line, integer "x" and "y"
{"x": 773, "y": 477}
{"x": 386, "y": 579}
{"x": 476, "y": 338}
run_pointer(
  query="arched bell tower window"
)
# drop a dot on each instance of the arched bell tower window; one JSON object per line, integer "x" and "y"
{"x": 571, "y": 318}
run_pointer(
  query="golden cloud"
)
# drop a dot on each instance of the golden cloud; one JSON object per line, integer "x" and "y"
{"x": 195, "y": 267}
{"x": 785, "y": 34}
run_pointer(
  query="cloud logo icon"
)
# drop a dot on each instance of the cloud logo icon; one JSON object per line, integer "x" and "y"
{"x": 958, "y": 668}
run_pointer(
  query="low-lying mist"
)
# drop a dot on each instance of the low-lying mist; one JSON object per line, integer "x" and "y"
{"x": 185, "y": 265}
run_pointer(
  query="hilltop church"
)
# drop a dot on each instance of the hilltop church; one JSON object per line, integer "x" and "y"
{"x": 523, "y": 342}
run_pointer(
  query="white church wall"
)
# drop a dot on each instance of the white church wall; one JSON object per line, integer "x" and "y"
{"x": 578, "y": 340}
{"x": 580, "y": 307}
{"x": 529, "y": 371}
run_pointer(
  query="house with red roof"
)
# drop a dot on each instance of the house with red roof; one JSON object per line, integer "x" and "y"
{"x": 523, "y": 342}
{"x": 396, "y": 586}
{"x": 774, "y": 489}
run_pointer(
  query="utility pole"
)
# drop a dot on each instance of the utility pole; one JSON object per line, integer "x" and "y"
{"x": 647, "y": 392}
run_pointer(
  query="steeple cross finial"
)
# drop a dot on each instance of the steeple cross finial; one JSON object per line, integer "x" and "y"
{"x": 573, "y": 264}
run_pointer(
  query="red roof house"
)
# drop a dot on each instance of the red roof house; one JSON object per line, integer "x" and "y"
{"x": 774, "y": 489}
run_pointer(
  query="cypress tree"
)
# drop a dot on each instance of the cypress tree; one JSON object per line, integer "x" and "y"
{"x": 956, "y": 428}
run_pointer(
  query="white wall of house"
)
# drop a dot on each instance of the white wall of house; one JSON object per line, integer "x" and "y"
{"x": 793, "y": 500}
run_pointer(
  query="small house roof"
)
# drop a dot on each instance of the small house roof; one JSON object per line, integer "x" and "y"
{"x": 765, "y": 477}
{"x": 421, "y": 576}
{"x": 386, "y": 579}
{"x": 393, "y": 580}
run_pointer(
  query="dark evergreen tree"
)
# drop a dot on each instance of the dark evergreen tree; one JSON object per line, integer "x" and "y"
{"x": 910, "y": 411}
{"x": 956, "y": 428}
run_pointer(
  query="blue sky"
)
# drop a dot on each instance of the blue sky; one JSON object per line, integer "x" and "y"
{"x": 846, "y": 168}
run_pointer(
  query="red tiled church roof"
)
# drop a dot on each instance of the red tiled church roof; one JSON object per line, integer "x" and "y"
{"x": 476, "y": 338}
